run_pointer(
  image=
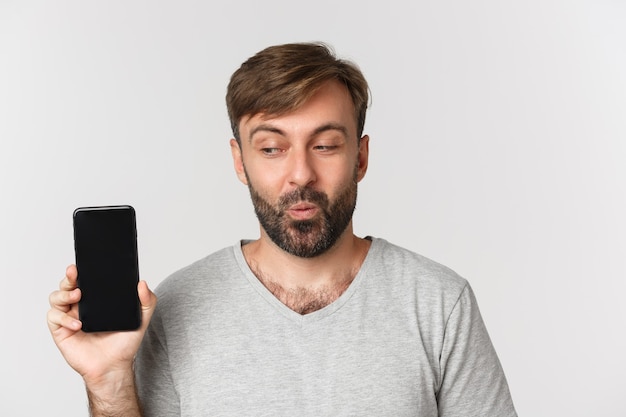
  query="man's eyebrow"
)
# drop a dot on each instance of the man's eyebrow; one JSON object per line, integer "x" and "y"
{"x": 265, "y": 128}
{"x": 331, "y": 126}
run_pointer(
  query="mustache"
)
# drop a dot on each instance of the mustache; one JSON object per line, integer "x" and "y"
{"x": 309, "y": 195}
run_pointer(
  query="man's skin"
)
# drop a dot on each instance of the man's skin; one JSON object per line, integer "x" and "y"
{"x": 315, "y": 146}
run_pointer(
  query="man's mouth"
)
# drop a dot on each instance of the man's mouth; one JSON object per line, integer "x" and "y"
{"x": 303, "y": 210}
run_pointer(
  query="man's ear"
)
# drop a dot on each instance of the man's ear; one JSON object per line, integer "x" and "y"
{"x": 363, "y": 157}
{"x": 235, "y": 150}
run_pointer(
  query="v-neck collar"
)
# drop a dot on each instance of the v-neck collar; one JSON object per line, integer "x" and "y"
{"x": 316, "y": 315}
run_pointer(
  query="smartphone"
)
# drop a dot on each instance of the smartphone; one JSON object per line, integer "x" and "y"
{"x": 105, "y": 244}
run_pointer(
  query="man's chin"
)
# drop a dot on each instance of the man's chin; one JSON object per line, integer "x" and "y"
{"x": 303, "y": 245}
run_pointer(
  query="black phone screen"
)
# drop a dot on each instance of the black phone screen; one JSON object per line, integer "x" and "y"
{"x": 105, "y": 244}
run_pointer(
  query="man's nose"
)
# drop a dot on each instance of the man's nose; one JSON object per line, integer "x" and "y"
{"x": 302, "y": 170}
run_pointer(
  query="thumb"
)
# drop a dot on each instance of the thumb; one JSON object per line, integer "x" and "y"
{"x": 148, "y": 302}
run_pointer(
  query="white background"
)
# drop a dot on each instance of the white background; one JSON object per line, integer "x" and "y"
{"x": 498, "y": 147}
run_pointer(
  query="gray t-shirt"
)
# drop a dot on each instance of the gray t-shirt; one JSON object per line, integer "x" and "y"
{"x": 405, "y": 339}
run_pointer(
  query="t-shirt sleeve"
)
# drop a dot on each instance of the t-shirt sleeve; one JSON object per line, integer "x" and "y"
{"x": 155, "y": 387}
{"x": 473, "y": 382}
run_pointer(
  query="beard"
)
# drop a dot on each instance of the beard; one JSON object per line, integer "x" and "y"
{"x": 311, "y": 237}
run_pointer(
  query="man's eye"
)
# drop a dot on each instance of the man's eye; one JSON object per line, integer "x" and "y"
{"x": 270, "y": 151}
{"x": 325, "y": 148}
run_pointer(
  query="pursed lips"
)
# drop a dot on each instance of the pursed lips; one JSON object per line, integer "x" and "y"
{"x": 303, "y": 210}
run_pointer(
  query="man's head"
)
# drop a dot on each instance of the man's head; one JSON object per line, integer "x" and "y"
{"x": 279, "y": 79}
{"x": 297, "y": 115}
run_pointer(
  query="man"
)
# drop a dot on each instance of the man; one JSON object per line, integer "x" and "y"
{"x": 308, "y": 319}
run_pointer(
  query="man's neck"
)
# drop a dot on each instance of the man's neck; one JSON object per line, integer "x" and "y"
{"x": 307, "y": 284}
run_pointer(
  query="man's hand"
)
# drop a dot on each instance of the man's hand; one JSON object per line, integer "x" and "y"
{"x": 104, "y": 360}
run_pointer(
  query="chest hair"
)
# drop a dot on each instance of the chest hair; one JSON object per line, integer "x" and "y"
{"x": 305, "y": 300}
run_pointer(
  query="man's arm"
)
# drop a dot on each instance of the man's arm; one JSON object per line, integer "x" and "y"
{"x": 115, "y": 396}
{"x": 473, "y": 382}
{"x": 104, "y": 360}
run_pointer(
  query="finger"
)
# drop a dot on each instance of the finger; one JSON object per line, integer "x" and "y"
{"x": 58, "y": 319}
{"x": 69, "y": 282}
{"x": 148, "y": 302}
{"x": 63, "y": 300}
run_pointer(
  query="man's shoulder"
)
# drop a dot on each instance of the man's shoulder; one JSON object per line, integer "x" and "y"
{"x": 406, "y": 264}
{"x": 197, "y": 273}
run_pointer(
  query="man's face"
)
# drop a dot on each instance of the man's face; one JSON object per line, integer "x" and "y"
{"x": 302, "y": 170}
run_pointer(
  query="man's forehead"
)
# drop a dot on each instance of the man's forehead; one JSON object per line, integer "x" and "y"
{"x": 277, "y": 106}
{"x": 331, "y": 105}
